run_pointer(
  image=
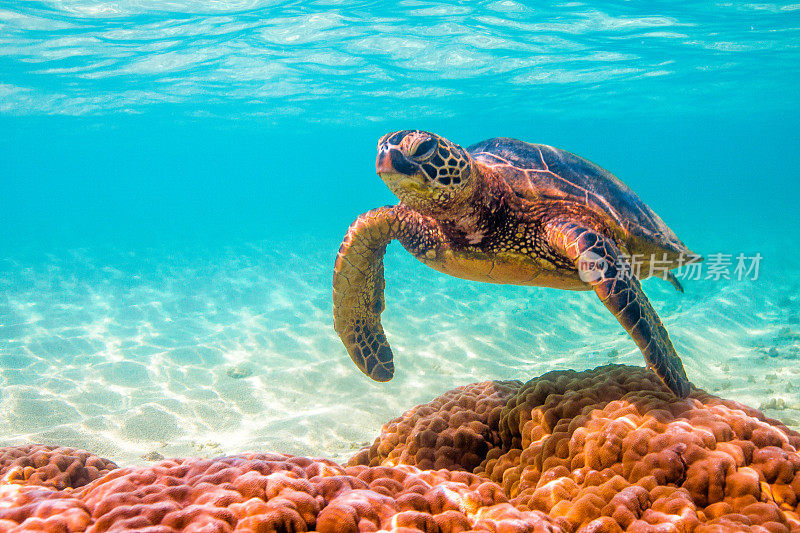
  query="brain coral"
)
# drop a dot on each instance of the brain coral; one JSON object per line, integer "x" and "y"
{"x": 51, "y": 466}
{"x": 268, "y": 492}
{"x": 604, "y": 450}
{"x": 455, "y": 431}
{"x": 611, "y": 449}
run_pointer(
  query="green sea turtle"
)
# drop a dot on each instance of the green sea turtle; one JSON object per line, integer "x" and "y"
{"x": 506, "y": 211}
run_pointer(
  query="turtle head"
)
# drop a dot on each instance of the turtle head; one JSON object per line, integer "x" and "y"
{"x": 427, "y": 172}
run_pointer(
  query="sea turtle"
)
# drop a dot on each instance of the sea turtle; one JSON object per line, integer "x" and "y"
{"x": 506, "y": 211}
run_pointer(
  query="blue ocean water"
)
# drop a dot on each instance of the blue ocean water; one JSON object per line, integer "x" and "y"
{"x": 176, "y": 176}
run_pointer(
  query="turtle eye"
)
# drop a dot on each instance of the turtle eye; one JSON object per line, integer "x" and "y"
{"x": 422, "y": 150}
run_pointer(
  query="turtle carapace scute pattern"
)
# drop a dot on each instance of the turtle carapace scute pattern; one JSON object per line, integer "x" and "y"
{"x": 507, "y": 211}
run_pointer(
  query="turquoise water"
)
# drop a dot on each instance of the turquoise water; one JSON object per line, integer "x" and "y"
{"x": 175, "y": 179}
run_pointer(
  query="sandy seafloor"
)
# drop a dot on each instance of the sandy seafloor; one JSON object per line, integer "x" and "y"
{"x": 191, "y": 351}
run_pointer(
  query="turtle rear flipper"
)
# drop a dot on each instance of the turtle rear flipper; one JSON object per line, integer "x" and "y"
{"x": 601, "y": 265}
{"x": 670, "y": 277}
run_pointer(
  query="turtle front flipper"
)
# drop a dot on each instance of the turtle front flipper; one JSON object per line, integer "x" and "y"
{"x": 358, "y": 282}
{"x": 601, "y": 265}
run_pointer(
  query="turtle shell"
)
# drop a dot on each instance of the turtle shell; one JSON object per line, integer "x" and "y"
{"x": 540, "y": 172}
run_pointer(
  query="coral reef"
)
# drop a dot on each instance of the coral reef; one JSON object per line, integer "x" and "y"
{"x": 611, "y": 449}
{"x": 267, "y": 492}
{"x": 51, "y": 466}
{"x": 605, "y": 450}
{"x": 455, "y": 431}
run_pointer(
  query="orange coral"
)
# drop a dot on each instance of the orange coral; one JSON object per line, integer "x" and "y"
{"x": 606, "y": 450}
{"x": 454, "y": 431}
{"x": 51, "y": 466}
{"x": 612, "y": 445}
{"x": 268, "y": 492}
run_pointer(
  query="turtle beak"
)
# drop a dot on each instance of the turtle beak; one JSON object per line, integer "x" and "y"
{"x": 383, "y": 163}
{"x": 391, "y": 160}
